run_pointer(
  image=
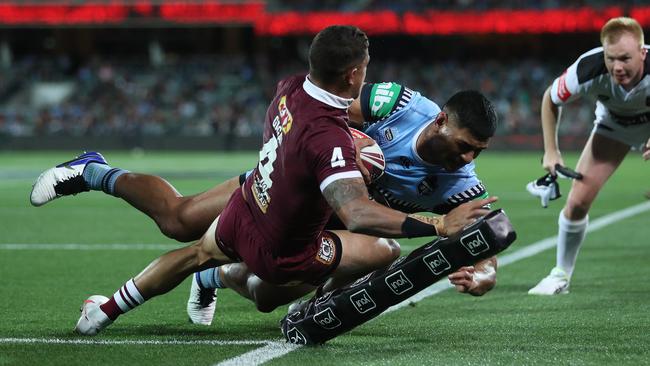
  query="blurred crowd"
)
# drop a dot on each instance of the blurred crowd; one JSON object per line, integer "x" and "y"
{"x": 210, "y": 95}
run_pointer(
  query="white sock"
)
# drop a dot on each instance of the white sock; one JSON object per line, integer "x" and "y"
{"x": 570, "y": 236}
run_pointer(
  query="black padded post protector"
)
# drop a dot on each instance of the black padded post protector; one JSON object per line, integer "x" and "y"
{"x": 336, "y": 312}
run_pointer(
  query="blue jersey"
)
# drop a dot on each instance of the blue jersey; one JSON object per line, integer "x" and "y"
{"x": 394, "y": 117}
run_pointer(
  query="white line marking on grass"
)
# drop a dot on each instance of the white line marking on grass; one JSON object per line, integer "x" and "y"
{"x": 529, "y": 251}
{"x": 212, "y": 342}
{"x": 89, "y": 246}
{"x": 260, "y": 355}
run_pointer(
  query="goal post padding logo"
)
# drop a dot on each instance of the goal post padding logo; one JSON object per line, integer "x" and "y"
{"x": 334, "y": 313}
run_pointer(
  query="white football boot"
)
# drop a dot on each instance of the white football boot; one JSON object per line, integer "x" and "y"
{"x": 546, "y": 188}
{"x": 556, "y": 283}
{"x": 201, "y": 304}
{"x": 64, "y": 179}
{"x": 92, "y": 319}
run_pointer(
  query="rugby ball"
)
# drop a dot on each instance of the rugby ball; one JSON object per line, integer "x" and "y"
{"x": 372, "y": 156}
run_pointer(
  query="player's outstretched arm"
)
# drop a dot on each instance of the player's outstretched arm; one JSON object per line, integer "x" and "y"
{"x": 349, "y": 199}
{"x": 476, "y": 280}
{"x": 550, "y": 122}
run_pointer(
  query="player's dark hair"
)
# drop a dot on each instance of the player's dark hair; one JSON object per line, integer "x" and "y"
{"x": 472, "y": 110}
{"x": 334, "y": 50}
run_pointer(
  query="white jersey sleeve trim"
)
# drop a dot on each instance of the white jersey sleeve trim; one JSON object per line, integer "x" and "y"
{"x": 334, "y": 177}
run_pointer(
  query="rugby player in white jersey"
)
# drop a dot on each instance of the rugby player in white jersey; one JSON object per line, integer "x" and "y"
{"x": 618, "y": 76}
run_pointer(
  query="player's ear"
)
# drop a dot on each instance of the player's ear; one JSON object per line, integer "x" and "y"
{"x": 351, "y": 75}
{"x": 441, "y": 119}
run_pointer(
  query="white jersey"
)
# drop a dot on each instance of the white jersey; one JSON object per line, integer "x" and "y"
{"x": 620, "y": 114}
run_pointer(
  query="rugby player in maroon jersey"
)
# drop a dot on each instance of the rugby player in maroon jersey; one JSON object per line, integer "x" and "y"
{"x": 307, "y": 171}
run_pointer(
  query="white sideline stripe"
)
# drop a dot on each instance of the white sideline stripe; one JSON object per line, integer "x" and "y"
{"x": 42, "y": 246}
{"x": 127, "y": 342}
{"x": 529, "y": 251}
{"x": 260, "y": 355}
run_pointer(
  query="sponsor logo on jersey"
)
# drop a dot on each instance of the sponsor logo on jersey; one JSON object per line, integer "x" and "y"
{"x": 398, "y": 282}
{"x": 388, "y": 134}
{"x": 436, "y": 262}
{"x": 327, "y": 319}
{"x": 383, "y": 99}
{"x": 562, "y": 91}
{"x": 285, "y": 115}
{"x": 327, "y": 250}
{"x": 260, "y": 188}
{"x": 296, "y": 337}
{"x": 474, "y": 242}
{"x": 362, "y": 301}
{"x": 428, "y": 185}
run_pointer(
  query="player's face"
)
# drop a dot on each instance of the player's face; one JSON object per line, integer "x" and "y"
{"x": 624, "y": 60}
{"x": 359, "y": 76}
{"x": 461, "y": 147}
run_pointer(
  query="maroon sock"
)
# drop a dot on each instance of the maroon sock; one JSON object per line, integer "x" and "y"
{"x": 111, "y": 309}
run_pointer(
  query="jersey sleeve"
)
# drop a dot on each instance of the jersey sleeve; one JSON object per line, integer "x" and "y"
{"x": 465, "y": 188}
{"x": 332, "y": 154}
{"x": 578, "y": 78}
{"x": 379, "y": 101}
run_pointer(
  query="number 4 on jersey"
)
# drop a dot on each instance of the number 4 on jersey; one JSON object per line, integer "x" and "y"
{"x": 337, "y": 158}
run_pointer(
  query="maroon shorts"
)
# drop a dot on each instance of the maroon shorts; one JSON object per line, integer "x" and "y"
{"x": 239, "y": 237}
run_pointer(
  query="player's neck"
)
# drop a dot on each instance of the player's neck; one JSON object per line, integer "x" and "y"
{"x": 422, "y": 145}
{"x": 343, "y": 92}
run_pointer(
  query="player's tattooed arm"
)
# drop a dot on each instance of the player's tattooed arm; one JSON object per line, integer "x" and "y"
{"x": 343, "y": 191}
{"x": 349, "y": 199}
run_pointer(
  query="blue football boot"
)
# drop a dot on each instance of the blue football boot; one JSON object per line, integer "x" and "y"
{"x": 64, "y": 179}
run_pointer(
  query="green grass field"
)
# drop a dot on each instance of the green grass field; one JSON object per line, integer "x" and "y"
{"x": 604, "y": 321}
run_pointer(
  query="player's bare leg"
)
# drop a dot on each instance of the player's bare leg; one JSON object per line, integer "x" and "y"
{"x": 600, "y": 158}
{"x": 182, "y": 218}
{"x": 361, "y": 254}
{"x": 161, "y": 276}
{"x": 266, "y": 296}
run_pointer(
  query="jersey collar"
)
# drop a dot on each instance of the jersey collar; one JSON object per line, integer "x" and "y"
{"x": 325, "y": 96}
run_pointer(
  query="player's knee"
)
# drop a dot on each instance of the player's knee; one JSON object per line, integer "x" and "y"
{"x": 576, "y": 209}
{"x": 264, "y": 301}
{"x": 388, "y": 251}
{"x": 173, "y": 229}
{"x": 265, "y": 306}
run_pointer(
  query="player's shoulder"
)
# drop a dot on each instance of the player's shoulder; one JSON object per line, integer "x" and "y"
{"x": 590, "y": 65}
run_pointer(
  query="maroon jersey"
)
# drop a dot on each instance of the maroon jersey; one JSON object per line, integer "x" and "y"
{"x": 307, "y": 146}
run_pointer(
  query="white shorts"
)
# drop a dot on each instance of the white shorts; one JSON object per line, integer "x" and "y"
{"x": 634, "y": 136}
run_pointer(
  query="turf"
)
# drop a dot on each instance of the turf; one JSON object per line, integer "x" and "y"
{"x": 603, "y": 321}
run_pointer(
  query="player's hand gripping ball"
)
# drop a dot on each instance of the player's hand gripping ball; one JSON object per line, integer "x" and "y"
{"x": 371, "y": 156}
